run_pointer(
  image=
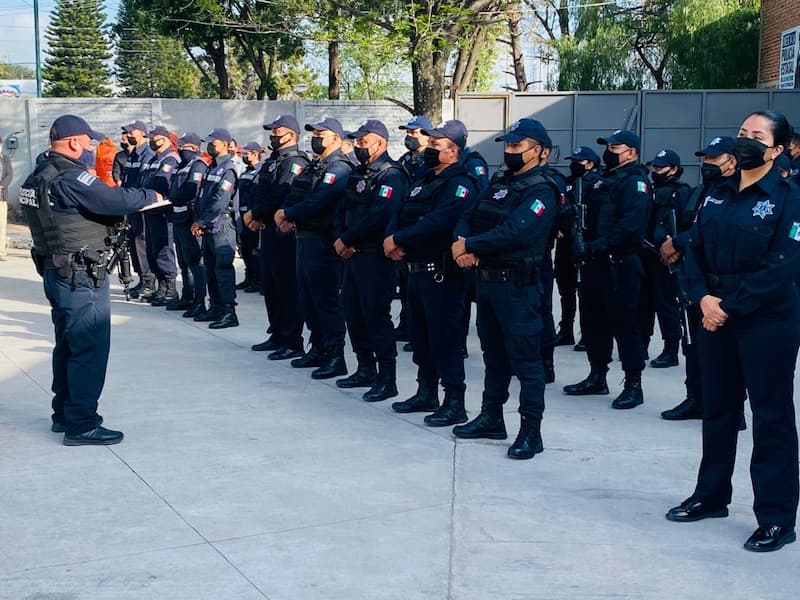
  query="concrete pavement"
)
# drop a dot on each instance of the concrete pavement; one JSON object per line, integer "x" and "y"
{"x": 241, "y": 478}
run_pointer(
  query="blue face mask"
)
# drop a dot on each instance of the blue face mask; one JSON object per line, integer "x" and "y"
{"x": 87, "y": 158}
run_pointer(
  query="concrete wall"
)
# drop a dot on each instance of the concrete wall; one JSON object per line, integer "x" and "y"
{"x": 243, "y": 118}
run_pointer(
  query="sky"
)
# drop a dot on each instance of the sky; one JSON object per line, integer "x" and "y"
{"x": 16, "y": 28}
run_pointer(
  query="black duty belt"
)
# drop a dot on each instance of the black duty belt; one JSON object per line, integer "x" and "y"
{"x": 727, "y": 281}
{"x": 521, "y": 275}
{"x": 305, "y": 234}
{"x": 424, "y": 267}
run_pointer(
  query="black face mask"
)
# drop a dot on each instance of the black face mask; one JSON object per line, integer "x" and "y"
{"x": 154, "y": 145}
{"x": 317, "y": 145}
{"x": 187, "y": 155}
{"x": 212, "y": 151}
{"x": 275, "y": 141}
{"x": 362, "y": 155}
{"x": 247, "y": 161}
{"x": 124, "y": 145}
{"x": 513, "y": 161}
{"x": 132, "y": 141}
{"x": 411, "y": 143}
{"x": 659, "y": 179}
{"x": 577, "y": 169}
{"x": 610, "y": 159}
{"x": 710, "y": 172}
{"x": 431, "y": 157}
{"x": 749, "y": 153}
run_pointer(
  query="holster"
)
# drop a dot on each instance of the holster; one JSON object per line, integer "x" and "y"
{"x": 38, "y": 262}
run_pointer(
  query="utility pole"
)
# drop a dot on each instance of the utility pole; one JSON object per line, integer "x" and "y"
{"x": 36, "y": 45}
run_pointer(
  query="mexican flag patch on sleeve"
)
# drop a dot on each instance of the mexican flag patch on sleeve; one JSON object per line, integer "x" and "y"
{"x": 480, "y": 171}
{"x": 166, "y": 167}
{"x": 641, "y": 186}
{"x": 462, "y": 192}
{"x": 197, "y": 176}
{"x": 794, "y": 232}
{"x": 538, "y": 208}
{"x": 226, "y": 186}
{"x": 329, "y": 178}
{"x": 296, "y": 169}
{"x": 385, "y": 191}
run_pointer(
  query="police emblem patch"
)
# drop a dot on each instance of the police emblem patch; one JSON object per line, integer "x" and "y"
{"x": 272, "y": 167}
{"x": 500, "y": 194}
{"x": 415, "y": 191}
{"x": 361, "y": 186}
{"x": 711, "y": 200}
{"x": 86, "y": 178}
{"x": 763, "y": 208}
{"x": 794, "y": 232}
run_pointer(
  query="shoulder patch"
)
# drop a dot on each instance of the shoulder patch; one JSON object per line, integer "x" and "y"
{"x": 226, "y": 185}
{"x": 794, "y": 232}
{"x": 167, "y": 168}
{"x": 462, "y": 192}
{"x": 480, "y": 170}
{"x": 329, "y": 178}
{"x": 296, "y": 169}
{"x": 197, "y": 176}
{"x": 641, "y": 186}
{"x": 538, "y": 207}
{"x": 86, "y": 178}
{"x": 385, "y": 191}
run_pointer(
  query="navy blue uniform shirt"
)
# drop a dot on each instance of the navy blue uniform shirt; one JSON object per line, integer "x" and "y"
{"x": 218, "y": 188}
{"x": 274, "y": 179}
{"x": 186, "y": 184}
{"x": 329, "y": 189}
{"x": 476, "y": 167}
{"x": 753, "y": 234}
{"x": 136, "y": 165}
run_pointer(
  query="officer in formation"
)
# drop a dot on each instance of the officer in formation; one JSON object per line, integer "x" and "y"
{"x": 184, "y": 188}
{"x": 742, "y": 258}
{"x": 659, "y": 291}
{"x": 158, "y": 230}
{"x": 248, "y": 239}
{"x": 718, "y": 163}
{"x": 422, "y": 233}
{"x": 65, "y": 206}
{"x": 214, "y": 223}
{"x": 505, "y": 238}
{"x": 584, "y": 169}
{"x": 139, "y": 155}
{"x": 612, "y": 273}
{"x": 794, "y": 156}
{"x": 309, "y": 210}
{"x": 278, "y": 254}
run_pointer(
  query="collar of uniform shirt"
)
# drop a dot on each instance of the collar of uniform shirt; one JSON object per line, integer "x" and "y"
{"x": 375, "y": 164}
{"x": 285, "y": 151}
{"x": 767, "y": 183}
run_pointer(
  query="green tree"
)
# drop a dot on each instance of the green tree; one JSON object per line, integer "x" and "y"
{"x": 150, "y": 65}
{"x": 9, "y": 71}
{"x": 77, "y": 50}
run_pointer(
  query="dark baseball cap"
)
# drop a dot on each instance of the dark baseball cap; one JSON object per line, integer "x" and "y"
{"x": 526, "y": 128}
{"x": 159, "y": 130}
{"x": 370, "y": 126}
{"x": 454, "y": 130}
{"x": 134, "y": 126}
{"x": 287, "y": 121}
{"x": 252, "y": 147}
{"x": 418, "y": 122}
{"x": 665, "y": 158}
{"x": 584, "y": 153}
{"x": 69, "y": 125}
{"x": 189, "y": 138}
{"x": 220, "y": 134}
{"x": 621, "y": 136}
{"x": 717, "y": 147}
{"x": 327, "y": 124}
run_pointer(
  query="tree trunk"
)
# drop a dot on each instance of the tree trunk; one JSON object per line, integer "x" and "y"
{"x": 428, "y": 75}
{"x": 334, "y": 71}
{"x": 216, "y": 52}
{"x": 515, "y": 39}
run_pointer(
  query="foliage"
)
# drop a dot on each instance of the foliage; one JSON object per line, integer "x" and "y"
{"x": 9, "y": 71}
{"x": 77, "y": 52}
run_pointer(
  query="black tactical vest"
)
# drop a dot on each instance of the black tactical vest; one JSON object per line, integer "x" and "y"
{"x": 54, "y": 232}
{"x": 305, "y": 183}
{"x": 501, "y": 199}
{"x": 360, "y": 187}
{"x": 247, "y": 188}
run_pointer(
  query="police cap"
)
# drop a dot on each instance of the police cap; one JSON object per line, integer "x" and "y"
{"x": 189, "y": 138}
{"x": 220, "y": 134}
{"x": 526, "y": 128}
{"x": 287, "y": 121}
{"x": 584, "y": 153}
{"x": 717, "y": 147}
{"x": 370, "y": 126}
{"x": 159, "y": 130}
{"x": 135, "y": 125}
{"x": 70, "y": 125}
{"x": 621, "y": 136}
{"x": 665, "y": 158}
{"x": 454, "y": 130}
{"x": 418, "y": 122}
{"x": 252, "y": 147}
{"x": 327, "y": 124}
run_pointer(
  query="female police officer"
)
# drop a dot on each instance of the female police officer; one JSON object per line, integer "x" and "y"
{"x": 742, "y": 259}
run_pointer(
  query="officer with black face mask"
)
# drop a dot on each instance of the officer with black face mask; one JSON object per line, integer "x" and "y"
{"x": 505, "y": 238}
{"x": 659, "y": 293}
{"x": 248, "y": 240}
{"x": 121, "y": 157}
{"x": 718, "y": 162}
{"x": 616, "y": 218}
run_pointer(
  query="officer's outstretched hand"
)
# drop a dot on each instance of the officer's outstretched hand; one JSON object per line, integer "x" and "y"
{"x": 459, "y": 247}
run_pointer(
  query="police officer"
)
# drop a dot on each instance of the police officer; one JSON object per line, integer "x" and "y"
{"x": 659, "y": 292}
{"x": 583, "y": 173}
{"x": 139, "y": 157}
{"x": 278, "y": 254}
{"x": 248, "y": 239}
{"x": 184, "y": 188}
{"x": 213, "y": 221}
{"x": 120, "y": 158}
{"x": 784, "y": 165}
{"x": 616, "y": 217}
{"x": 376, "y": 186}
{"x": 505, "y": 238}
{"x": 743, "y": 256}
{"x": 422, "y": 233}
{"x": 718, "y": 162}
{"x": 413, "y": 161}
{"x": 794, "y": 154}
{"x": 64, "y": 205}
{"x": 159, "y": 240}
{"x": 309, "y": 208}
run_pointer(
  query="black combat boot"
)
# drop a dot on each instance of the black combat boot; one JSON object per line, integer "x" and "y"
{"x": 580, "y": 346}
{"x": 226, "y": 319}
{"x": 668, "y": 357}
{"x": 529, "y": 439}
{"x": 333, "y": 364}
{"x": 488, "y": 424}
{"x": 185, "y": 302}
{"x": 242, "y": 285}
{"x": 197, "y": 308}
{"x": 148, "y": 291}
{"x": 594, "y": 384}
{"x": 451, "y": 412}
{"x": 213, "y": 313}
{"x": 168, "y": 295}
{"x": 385, "y": 384}
{"x": 565, "y": 337}
{"x": 133, "y": 293}
{"x": 268, "y": 345}
{"x": 691, "y": 408}
{"x": 363, "y": 377}
{"x": 631, "y": 395}
{"x": 425, "y": 400}
{"x": 312, "y": 358}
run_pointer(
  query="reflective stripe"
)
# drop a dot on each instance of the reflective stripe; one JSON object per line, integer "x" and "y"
{"x": 213, "y": 177}
{"x": 180, "y": 209}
